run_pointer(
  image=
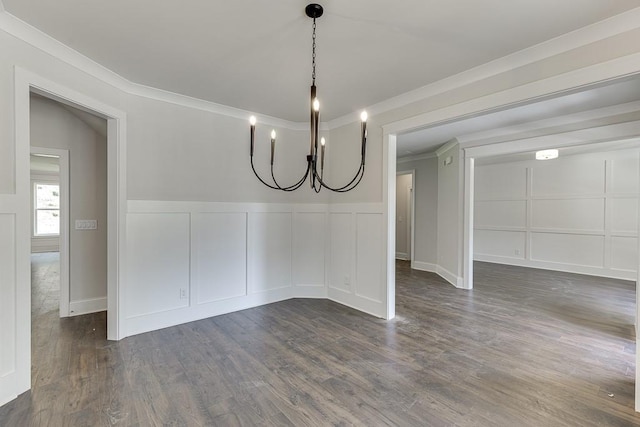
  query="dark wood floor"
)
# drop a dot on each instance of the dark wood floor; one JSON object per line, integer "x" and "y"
{"x": 525, "y": 348}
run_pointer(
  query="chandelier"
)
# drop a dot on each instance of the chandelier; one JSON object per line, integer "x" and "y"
{"x": 315, "y": 164}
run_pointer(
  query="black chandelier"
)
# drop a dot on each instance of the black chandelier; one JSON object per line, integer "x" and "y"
{"x": 315, "y": 168}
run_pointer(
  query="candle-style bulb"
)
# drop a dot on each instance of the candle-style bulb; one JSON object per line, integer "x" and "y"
{"x": 322, "y": 141}
{"x": 273, "y": 134}
{"x": 363, "y": 116}
{"x": 316, "y": 105}
{"x": 252, "y": 120}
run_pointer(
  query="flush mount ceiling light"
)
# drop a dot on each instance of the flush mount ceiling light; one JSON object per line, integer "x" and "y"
{"x": 315, "y": 166}
{"x": 546, "y": 154}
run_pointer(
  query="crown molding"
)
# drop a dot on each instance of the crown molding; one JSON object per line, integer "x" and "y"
{"x": 47, "y": 44}
{"x": 619, "y": 132}
{"x": 601, "y": 30}
{"x": 446, "y": 147}
{"x": 490, "y": 136}
{"x": 416, "y": 157}
{"x": 612, "y": 26}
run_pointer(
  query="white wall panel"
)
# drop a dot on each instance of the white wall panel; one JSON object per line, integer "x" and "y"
{"x": 501, "y": 181}
{"x": 624, "y": 215}
{"x": 624, "y": 253}
{"x": 568, "y": 214}
{"x": 574, "y": 249}
{"x": 583, "y": 214}
{"x": 578, "y": 175}
{"x": 8, "y": 292}
{"x": 342, "y": 250}
{"x": 220, "y": 254}
{"x": 369, "y": 251}
{"x": 309, "y": 246}
{"x": 269, "y": 251}
{"x": 506, "y": 213}
{"x": 624, "y": 173}
{"x": 158, "y": 266}
{"x": 509, "y": 244}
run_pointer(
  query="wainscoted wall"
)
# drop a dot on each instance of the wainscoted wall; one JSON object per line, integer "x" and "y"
{"x": 577, "y": 213}
{"x": 192, "y": 260}
{"x": 8, "y": 289}
{"x": 356, "y": 234}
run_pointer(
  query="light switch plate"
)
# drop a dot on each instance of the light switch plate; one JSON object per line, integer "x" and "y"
{"x": 86, "y": 224}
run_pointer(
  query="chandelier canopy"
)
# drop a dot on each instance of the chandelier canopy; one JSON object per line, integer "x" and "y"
{"x": 315, "y": 167}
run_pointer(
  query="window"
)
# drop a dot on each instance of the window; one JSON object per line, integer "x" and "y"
{"x": 46, "y": 209}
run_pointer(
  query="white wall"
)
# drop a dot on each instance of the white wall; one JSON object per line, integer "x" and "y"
{"x": 403, "y": 216}
{"x": 53, "y": 126}
{"x": 185, "y": 154}
{"x": 576, "y": 213}
{"x": 450, "y": 214}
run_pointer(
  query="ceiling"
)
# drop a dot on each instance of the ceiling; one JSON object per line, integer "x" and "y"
{"x": 430, "y": 139}
{"x": 255, "y": 55}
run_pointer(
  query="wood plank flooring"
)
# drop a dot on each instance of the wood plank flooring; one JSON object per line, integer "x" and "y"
{"x": 525, "y": 348}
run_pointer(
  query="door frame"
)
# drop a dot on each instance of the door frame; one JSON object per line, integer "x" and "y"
{"x": 26, "y": 82}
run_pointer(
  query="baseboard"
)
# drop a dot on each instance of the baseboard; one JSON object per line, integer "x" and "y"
{"x": 402, "y": 255}
{"x": 565, "y": 268}
{"x": 77, "y": 308}
{"x": 424, "y": 266}
{"x": 454, "y": 279}
{"x": 6, "y": 399}
{"x": 167, "y": 318}
{"x": 309, "y": 291}
{"x": 442, "y": 272}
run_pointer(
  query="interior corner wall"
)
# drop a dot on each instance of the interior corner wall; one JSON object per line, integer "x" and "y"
{"x": 576, "y": 213}
{"x": 53, "y": 126}
{"x": 450, "y": 215}
{"x": 356, "y": 273}
{"x": 425, "y": 235}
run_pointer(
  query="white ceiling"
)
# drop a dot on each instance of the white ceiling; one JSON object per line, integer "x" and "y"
{"x": 255, "y": 55}
{"x": 430, "y": 139}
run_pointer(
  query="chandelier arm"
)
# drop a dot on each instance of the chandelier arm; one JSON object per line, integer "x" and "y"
{"x": 344, "y": 190}
{"x": 320, "y": 185}
{"x": 258, "y": 176}
{"x": 315, "y": 186}
{"x": 350, "y": 186}
{"x": 340, "y": 189}
{"x": 294, "y": 186}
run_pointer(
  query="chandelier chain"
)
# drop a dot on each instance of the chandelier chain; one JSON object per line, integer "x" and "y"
{"x": 313, "y": 55}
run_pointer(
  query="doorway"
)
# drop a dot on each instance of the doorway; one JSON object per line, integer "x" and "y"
{"x": 25, "y": 83}
{"x": 405, "y": 182}
{"x": 83, "y": 233}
